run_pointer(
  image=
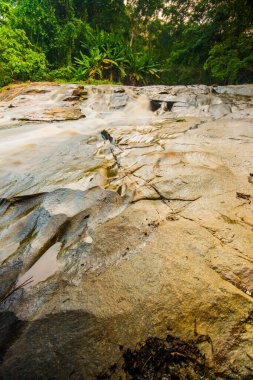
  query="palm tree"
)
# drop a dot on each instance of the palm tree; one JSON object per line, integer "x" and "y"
{"x": 105, "y": 57}
{"x": 140, "y": 67}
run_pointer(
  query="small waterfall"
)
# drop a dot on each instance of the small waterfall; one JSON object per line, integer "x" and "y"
{"x": 105, "y": 107}
{"x": 117, "y": 108}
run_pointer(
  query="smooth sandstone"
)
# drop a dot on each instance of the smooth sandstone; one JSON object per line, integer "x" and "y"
{"x": 148, "y": 233}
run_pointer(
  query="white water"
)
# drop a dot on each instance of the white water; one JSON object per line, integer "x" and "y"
{"x": 98, "y": 113}
{"x": 36, "y": 150}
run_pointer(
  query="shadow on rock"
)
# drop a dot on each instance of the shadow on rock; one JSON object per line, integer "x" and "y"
{"x": 171, "y": 358}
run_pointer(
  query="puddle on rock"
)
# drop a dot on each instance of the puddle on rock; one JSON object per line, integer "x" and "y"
{"x": 45, "y": 267}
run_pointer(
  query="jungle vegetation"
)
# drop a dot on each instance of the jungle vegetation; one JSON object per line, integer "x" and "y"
{"x": 132, "y": 42}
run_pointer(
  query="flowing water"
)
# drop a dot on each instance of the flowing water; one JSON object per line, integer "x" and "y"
{"x": 38, "y": 157}
{"x": 16, "y": 140}
{"x": 46, "y": 155}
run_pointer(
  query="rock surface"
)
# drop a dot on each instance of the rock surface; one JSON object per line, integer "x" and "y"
{"x": 124, "y": 225}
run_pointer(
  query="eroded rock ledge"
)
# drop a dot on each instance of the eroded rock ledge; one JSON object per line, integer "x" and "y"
{"x": 126, "y": 214}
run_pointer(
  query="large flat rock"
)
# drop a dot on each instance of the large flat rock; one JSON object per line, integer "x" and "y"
{"x": 124, "y": 225}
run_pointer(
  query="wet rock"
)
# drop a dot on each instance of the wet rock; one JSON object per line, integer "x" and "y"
{"x": 55, "y": 114}
{"x": 80, "y": 91}
{"x": 71, "y": 99}
{"x": 36, "y": 90}
{"x": 118, "y": 100}
{"x": 156, "y": 104}
{"x": 106, "y": 136}
{"x": 245, "y": 90}
{"x": 119, "y": 90}
{"x": 129, "y": 225}
{"x": 219, "y": 110}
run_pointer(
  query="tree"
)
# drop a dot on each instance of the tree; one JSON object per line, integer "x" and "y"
{"x": 108, "y": 15}
{"x": 103, "y": 57}
{"x": 228, "y": 64}
{"x": 18, "y": 60}
{"x": 141, "y": 68}
{"x": 198, "y": 41}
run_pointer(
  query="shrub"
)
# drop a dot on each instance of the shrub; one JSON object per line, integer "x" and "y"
{"x": 18, "y": 60}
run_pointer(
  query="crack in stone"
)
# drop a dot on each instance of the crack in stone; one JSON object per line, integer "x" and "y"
{"x": 213, "y": 233}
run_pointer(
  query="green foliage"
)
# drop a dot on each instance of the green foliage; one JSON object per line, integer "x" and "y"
{"x": 103, "y": 57}
{"x": 188, "y": 52}
{"x": 223, "y": 63}
{"x": 141, "y": 68}
{"x": 5, "y": 12}
{"x": 18, "y": 60}
{"x": 108, "y": 57}
{"x": 52, "y": 26}
{"x": 66, "y": 73}
{"x": 106, "y": 15}
{"x": 133, "y": 41}
{"x": 229, "y": 62}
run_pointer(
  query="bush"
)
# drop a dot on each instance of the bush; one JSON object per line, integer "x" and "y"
{"x": 63, "y": 73}
{"x": 231, "y": 62}
{"x": 18, "y": 60}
